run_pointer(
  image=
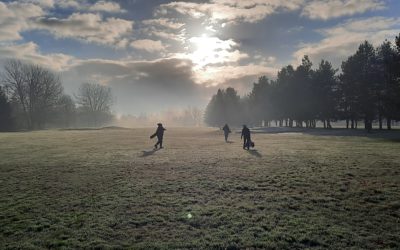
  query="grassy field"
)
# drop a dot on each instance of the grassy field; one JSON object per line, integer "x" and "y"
{"x": 108, "y": 189}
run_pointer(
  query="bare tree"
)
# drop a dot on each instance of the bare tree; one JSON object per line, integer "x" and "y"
{"x": 35, "y": 88}
{"x": 14, "y": 79}
{"x": 96, "y": 100}
{"x": 65, "y": 113}
{"x": 6, "y": 119}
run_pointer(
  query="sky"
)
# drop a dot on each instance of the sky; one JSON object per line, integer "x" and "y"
{"x": 158, "y": 55}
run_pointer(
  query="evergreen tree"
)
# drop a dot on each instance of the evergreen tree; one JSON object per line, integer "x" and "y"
{"x": 231, "y": 106}
{"x": 360, "y": 85}
{"x": 303, "y": 104}
{"x": 215, "y": 110}
{"x": 224, "y": 107}
{"x": 286, "y": 94}
{"x": 367, "y": 89}
{"x": 260, "y": 101}
{"x": 388, "y": 89}
{"x": 325, "y": 93}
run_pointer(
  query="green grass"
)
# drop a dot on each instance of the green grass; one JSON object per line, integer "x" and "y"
{"x": 98, "y": 189}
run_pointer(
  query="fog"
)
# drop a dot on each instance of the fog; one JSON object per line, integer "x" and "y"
{"x": 150, "y": 87}
{"x": 187, "y": 117}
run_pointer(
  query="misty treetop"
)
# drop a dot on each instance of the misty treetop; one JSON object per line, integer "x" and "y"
{"x": 367, "y": 89}
{"x": 95, "y": 103}
{"x": 32, "y": 97}
{"x": 34, "y": 88}
{"x": 224, "y": 107}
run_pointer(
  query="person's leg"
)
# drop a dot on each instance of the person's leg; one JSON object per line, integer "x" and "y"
{"x": 161, "y": 143}
{"x": 248, "y": 143}
{"x": 244, "y": 142}
{"x": 226, "y": 136}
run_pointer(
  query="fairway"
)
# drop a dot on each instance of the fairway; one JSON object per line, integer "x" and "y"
{"x": 107, "y": 189}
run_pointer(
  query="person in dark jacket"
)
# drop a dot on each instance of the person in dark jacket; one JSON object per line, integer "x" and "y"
{"x": 160, "y": 134}
{"x": 246, "y": 137}
{"x": 226, "y": 130}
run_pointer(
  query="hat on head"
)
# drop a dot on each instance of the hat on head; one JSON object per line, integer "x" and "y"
{"x": 159, "y": 124}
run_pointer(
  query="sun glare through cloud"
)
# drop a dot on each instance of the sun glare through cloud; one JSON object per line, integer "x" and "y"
{"x": 210, "y": 50}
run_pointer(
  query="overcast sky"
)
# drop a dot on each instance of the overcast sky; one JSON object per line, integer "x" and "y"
{"x": 160, "y": 54}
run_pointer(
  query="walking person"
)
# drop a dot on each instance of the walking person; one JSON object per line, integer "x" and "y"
{"x": 160, "y": 134}
{"x": 246, "y": 137}
{"x": 226, "y": 130}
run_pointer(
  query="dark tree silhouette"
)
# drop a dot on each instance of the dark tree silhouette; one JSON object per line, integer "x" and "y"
{"x": 303, "y": 108}
{"x": 232, "y": 106}
{"x": 36, "y": 89}
{"x": 367, "y": 89}
{"x": 325, "y": 92}
{"x": 6, "y": 120}
{"x": 95, "y": 102}
{"x": 388, "y": 88}
{"x": 224, "y": 107}
{"x": 260, "y": 100}
{"x": 215, "y": 110}
{"x": 286, "y": 94}
{"x": 36, "y": 100}
{"x": 65, "y": 112}
{"x": 360, "y": 74}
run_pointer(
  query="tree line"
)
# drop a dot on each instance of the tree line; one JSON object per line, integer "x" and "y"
{"x": 32, "y": 97}
{"x": 366, "y": 89}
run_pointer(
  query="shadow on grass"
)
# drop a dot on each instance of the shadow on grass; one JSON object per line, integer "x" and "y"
{"x": 94, "y": 128}
{"x": 392, "y": 135}
{"x": 254, "y": 152}
{"x": 149, "y": 152}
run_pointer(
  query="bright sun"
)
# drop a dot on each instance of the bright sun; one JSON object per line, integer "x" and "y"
{"x": 210, "y": 50}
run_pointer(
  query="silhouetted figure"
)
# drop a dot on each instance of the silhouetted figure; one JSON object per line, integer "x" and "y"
{"x": 246, "y": 137}
{"x": 226, "y": 130}
{"x": 160, "y": 134}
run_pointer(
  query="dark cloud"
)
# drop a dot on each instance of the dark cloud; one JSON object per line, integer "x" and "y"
{"x": 143, "y": 86}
